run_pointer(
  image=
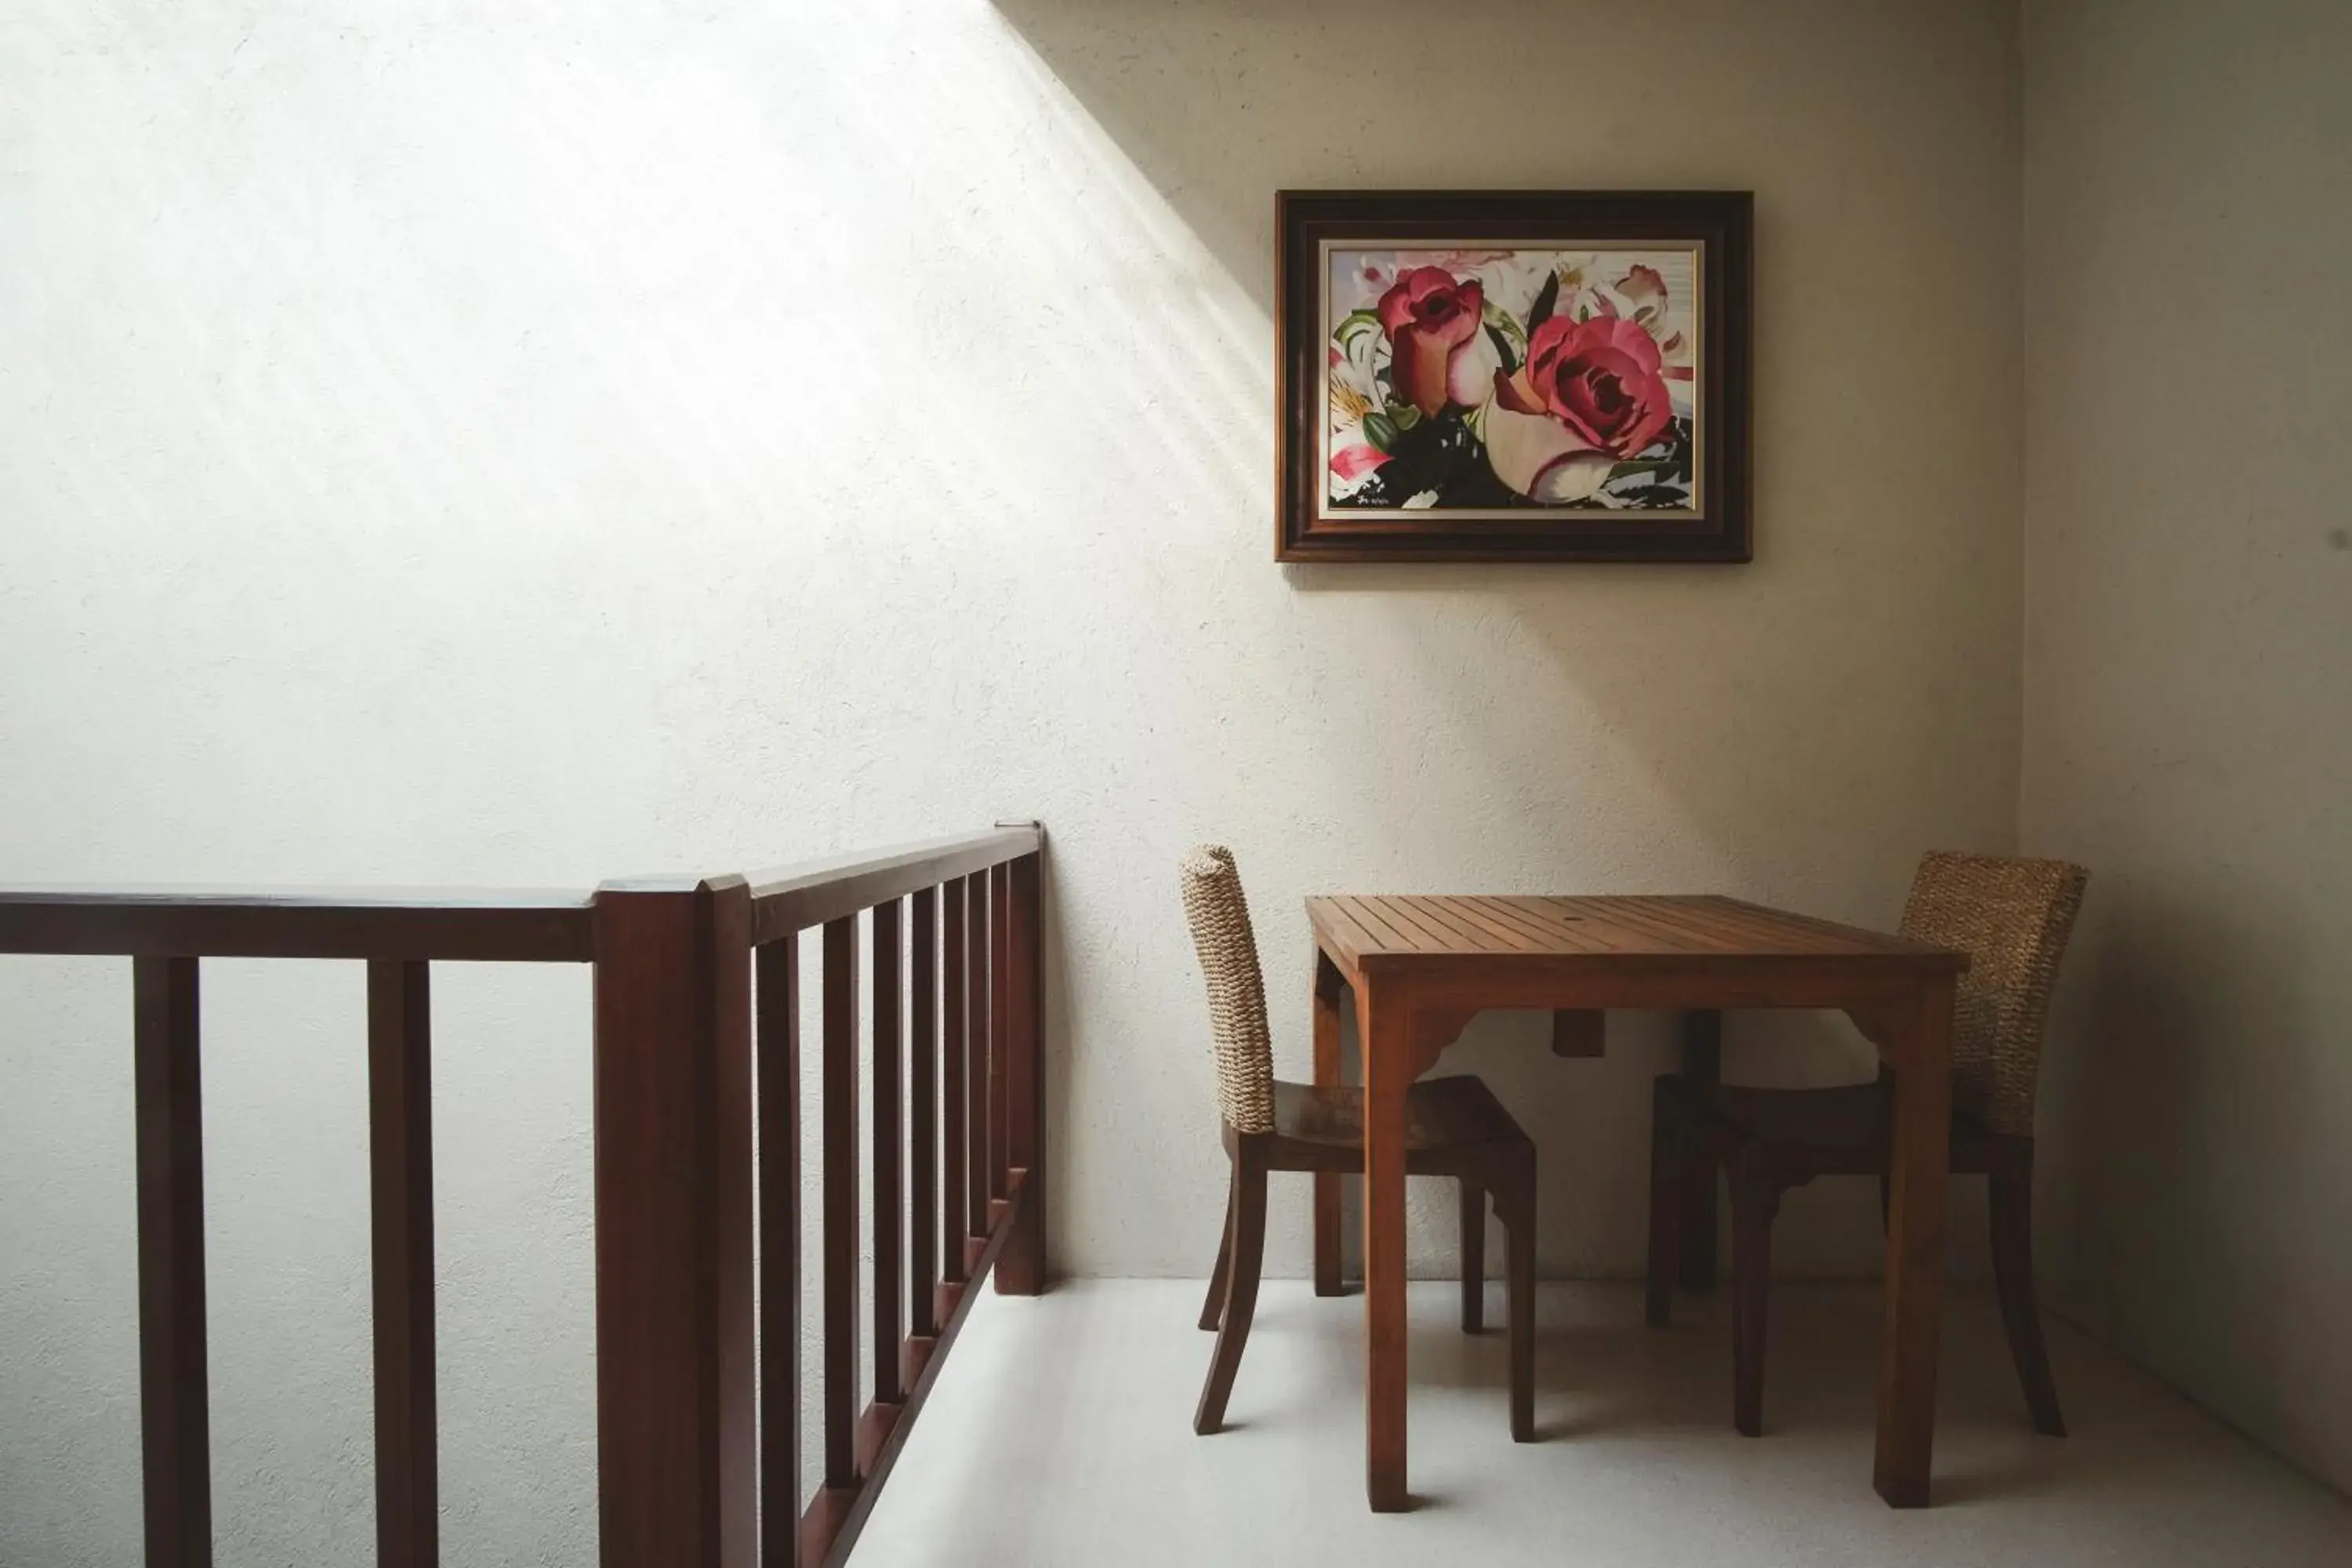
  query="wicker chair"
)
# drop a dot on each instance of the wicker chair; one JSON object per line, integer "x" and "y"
{"x": 1455, "y": 1127}
{"x": 2012, "y": 918}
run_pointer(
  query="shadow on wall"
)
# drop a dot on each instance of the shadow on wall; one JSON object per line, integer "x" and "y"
{"x": 1210, "y": 99}
{"x": 2173, "y": 1104}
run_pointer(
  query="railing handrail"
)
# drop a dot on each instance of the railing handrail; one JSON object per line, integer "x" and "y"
{"x": 521, "y": 925}
{"x": 787, "y": 899}
{"x": 513, "y": 925}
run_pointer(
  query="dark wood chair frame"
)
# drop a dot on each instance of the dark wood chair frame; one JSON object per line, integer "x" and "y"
{"x": 1762, "y": 1155}
{"x": 1321, "y": 1129}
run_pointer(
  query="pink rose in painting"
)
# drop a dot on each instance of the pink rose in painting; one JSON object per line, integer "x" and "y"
{"x": 1603, "y": 379}
{"x": 1437, "y": 350}
{"x": 1536, "y": 454}
{"x": 1591, "y": 392}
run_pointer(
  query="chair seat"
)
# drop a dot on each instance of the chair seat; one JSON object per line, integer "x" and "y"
{"x": 1847, "y": 1128}
{"x": 1454, "y": 1127}
{"x": 1442, "y": 1114}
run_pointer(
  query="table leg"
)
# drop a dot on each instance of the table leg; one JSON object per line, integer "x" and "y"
{"x": 1328, "y": 987}
{"x": 1922, "y": 1059}
{"x": 1388, "y": 1076}
{"x": 1702, "y": 1068}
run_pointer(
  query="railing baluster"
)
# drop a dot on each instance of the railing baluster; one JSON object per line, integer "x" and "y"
{"x": 975, "y": 1063}
{"x": 952, "y": 1085}
{"x": 400, "y": 1162}
{"x": 841, "y": 1238}
{"x": 780, "y": 1252}
{"x": 922, "y": 1075}
{"x": 1000, "y": 1036}
{"x": 175, "y": 1438}
{"x": 1021, "y": 1271}
{"x": 888, "y": 1112}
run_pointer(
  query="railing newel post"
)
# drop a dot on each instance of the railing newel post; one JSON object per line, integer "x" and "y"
{"x": 675, "y": 1418}
{"x": 1000, "y": 1038}
{"x": 1020, "y": 1271}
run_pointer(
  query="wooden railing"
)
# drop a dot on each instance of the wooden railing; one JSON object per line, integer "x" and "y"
{"x": 698, "y": 1170}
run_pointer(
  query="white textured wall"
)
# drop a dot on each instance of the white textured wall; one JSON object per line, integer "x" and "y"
{"x": 440, "y": 443}
{"x": 2188, "y": 685}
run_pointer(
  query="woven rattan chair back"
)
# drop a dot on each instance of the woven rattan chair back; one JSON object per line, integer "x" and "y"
{"x": 1220, "y": 919}
{"x": 2012, "y": 917}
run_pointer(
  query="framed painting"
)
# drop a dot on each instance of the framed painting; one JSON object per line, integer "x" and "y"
{"x": 1513, "y": 375}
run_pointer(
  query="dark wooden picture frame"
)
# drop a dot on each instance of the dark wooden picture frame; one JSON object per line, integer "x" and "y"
{"x": 1586, "y": 463}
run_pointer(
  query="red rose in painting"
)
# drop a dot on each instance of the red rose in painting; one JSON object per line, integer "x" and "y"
{"x": 1603, "y": 378}
{"x": 1432, "y": 322}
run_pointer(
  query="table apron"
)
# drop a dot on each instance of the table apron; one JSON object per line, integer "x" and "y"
{"x": 1441, "y": 997}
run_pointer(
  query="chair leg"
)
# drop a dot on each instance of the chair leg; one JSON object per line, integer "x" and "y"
{"x": 2012, "y": 1273}
{"x": 1666, "y": 1202}
{"x": 1755, "y": 1199}
{"x": 1519, "y": 1268}
{"x": 1213, "y": 1311}
{"x": 1247, "y": 1244}
{"x": 1697, "y": 1222}
{"x": 1473, "y": 1256}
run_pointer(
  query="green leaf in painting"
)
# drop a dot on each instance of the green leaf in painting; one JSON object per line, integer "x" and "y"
{"x": 1503, "y": 348}
{"x": 1380, "y": 431}
{"x": 1502, "y": 321}
{"x": 1639, "y": 466}
{"x": 1405, "y": 415}
{"x": 1353, "y": 322}
{"x": 1546, "y": 302}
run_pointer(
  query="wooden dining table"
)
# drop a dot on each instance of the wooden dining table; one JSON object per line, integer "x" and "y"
{"x": 1421, "y": 968}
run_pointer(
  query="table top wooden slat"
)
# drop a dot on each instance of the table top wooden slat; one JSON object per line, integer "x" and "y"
{"x": 1383, "y": 934}
{"x": 1464, "y": 917}
{"x": 1427, "y": 923}
{"x": 1725, "y": 928}
{"x": 1526, "y": 929}
{"x": 1606, "y": 936}
{"x": 1679, "y": 932}
{"x": 1594, "y": 936}
{"x": 1401, "y": 928}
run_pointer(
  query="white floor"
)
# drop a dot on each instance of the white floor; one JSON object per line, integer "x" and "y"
{"x": 1061, "y": 1433}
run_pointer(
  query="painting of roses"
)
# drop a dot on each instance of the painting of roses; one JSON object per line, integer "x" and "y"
{"x": 1515, "y": 376}
{"x": 1510, "y": 379}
